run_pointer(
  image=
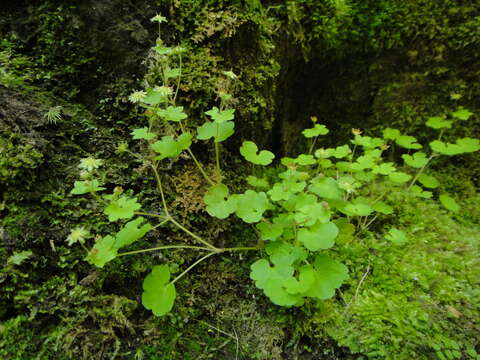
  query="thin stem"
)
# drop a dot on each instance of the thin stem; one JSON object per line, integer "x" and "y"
{"x": 313, "y": 144}
{"x": 160, "y": 224}
{"x": 421, "y": 171}
{"x": 163, "y": 248}
{"x": 192, "y": 266}
{"x": 217, "y": 156}
{"x": 179, "y": 79}
{"x": 248, "y": 248}
{"x": 196, "y": 237}
{"x": 370, "y": 222}
{"x": 200, "y": 167}
{"x": 149, "y": 214}
{"x": 160, "y": 188}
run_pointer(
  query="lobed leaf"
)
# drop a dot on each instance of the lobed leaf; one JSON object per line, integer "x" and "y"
{"x": 218, "y": 203}
{"x": 407, "y": 142}
{"x": 317, "y": 130}
{"x": 319, "y": 236}
{"x": 417, "y": 160}
{"x": 172, "y": 113}
{"x": 121, "y": 208}
{"x": 158, "y": 293}
{"x": 218, "y": 131}
{"x": 438, "y": 122}
{"x": 462, "y": 114}
{"x": 86, "y": 186}
{"x": 249, "y": 152}
{"x": 219, "y": 116}
{"x": 251, "y": 205}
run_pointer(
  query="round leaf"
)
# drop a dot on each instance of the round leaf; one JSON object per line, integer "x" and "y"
{"x": 158, "y": 294}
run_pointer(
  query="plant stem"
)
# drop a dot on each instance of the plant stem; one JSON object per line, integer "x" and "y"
{"x": 163, "y": 248}
{"x": 196, "y": 237}
{"x": 421, "y": 171}
{"x": 200, "y": 167}
{"x": 247, "y": 248}
{"x": 160, "y": 188}
{"x": 313, "y": 144}
{"x": 192, "y": 266}
{"x": 148, "y": 214}
{"x": 217, "y": 156}
{"x": 179, "y": 79}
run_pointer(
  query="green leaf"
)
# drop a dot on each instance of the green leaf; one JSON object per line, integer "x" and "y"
{"x": 449, "y": 203}
{"x": 383, "y": 208}
{"x": 368, "y": 142}
{"x": 399, "y": 177}
{"x": 131, "y": 232}
{"x": 310, "y": 214}
{"x": 256, "y": 182}
{"x": 271, "y": 280}
{"x": 285, "y": 189}
{"x": 317, "y": 130}
{"x": 183, "y": 142}
{"x": 468, "y": 144}
{"x": 158, "y": 293}
{"x": 327, "y": 188}
{"x": 346, "y": 231}
{"x": 462, "y": 114}
{"x": 438, "y": 122}
{"x": 86, "y": 186}
{"x": 306, "y": 278}
{"x": 18, "y": 257}
{"x": 249, "y": 152}
{"x": 417, "y": 160}
{"x": 218, "y": 131}
{"x": 270, "y": 231}
{"x": 325, "y": 153}
{"x": 172, "y": 113}
{"x": 251, "y": 205}
{"x": 218, "y": 203}
{"x": 418, "y": 192}
{"x": 445, "y": 148}
{"x": 319, "y": 236}
{"x": 142, "y": 133}
{"x": 305, "y": 160}
{"x": 461, "y": 146}
{"x": 357, "y": 209}
{"x": 362, "y": 163}
{"x": 221, "y": 116}
{"x": 329, "y": 275}
{"x": 407, "y": 142}
{"x": 325, "y": 163}
{"x": 384, "y": 168}
{"x": 391, "y": 134}
{"x": 428, "y": 181}
{"x": 103, "y": 251}
{"x": 154, "y": 98}
{"x": 122, "y": 208}
{"x": 396, "y": 236}
{"x": 169, "y": 147}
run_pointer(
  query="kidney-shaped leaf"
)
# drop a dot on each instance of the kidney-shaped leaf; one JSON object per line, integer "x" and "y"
{"x": 158, "y": 293}
{"x": 249, "y": 152}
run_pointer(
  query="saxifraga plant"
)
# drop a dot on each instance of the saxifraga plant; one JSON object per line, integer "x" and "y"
{"x": 298, "y": 214}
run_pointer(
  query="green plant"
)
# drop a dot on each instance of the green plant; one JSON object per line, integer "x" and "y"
{"x": 299, "y": 211}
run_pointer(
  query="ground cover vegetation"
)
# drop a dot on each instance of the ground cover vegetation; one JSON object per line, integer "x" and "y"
{"x": 335, "y": 243}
